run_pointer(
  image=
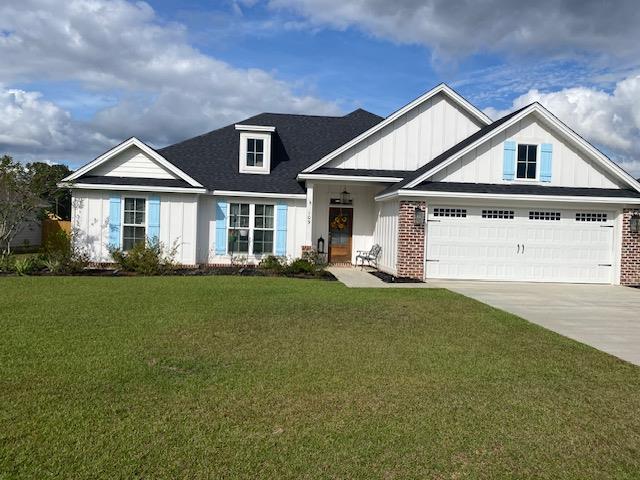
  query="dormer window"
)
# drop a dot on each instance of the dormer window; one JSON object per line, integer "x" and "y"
{"x": 255, "y": 152}
{"x": 255, "y": 148}
{"x": 527, "y": 162}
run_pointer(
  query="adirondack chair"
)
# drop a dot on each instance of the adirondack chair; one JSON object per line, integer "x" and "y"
{"x": 371, "y": 256}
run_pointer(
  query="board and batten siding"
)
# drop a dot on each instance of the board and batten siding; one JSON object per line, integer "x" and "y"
{"x": 385, "y": 234}
{"x": 132, "y": 162}
{"x": 206, "y": 245}
{"x": 413, "y": 139}
{"x": 178, "y": 213}
{"x": 570, "y": 168}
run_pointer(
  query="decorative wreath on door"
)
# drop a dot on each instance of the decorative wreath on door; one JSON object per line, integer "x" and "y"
{"x": 339, "y": 222}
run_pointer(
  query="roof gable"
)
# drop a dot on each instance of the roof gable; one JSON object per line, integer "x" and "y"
{"x": 442, "y": 89}
{"x": 487, "y": 133}
{"x": 134, "y": 159}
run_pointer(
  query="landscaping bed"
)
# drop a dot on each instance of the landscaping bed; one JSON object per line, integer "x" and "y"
{"x": 388, "y": 278}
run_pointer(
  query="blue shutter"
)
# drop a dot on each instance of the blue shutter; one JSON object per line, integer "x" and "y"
{"x": 509, "y": 160}
{"x": 153, "y": 229}
{"x": 114, "y": 221}
{"x": 221, "y": 227}
{"x": 281, "y": 229}
{"x": 546, "y": 154}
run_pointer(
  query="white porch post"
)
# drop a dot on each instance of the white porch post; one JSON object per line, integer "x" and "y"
{"x": 308, "y": 239}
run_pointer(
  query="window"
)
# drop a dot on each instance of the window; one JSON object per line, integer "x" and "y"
{"x": 450, "y": 212}
{"x": 263, "y": 229}
{"x": 239, "y": 228}
{"x": 251, "y": 229}
{"x": 503, "y": 214}
{"x": 255, "y": 152}
{"x": 527, "y": 160}
{"x": 134, "y": 222}
{"x": 544, "y": 215}
{"x": 591, "y": 217}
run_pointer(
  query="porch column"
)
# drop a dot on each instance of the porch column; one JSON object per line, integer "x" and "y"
{"x": 630, "y": 254}
{"x": 410, "y": 241}
{"x": 308, "y": 235}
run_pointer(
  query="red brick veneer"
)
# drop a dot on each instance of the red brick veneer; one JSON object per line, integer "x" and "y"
{"x": 630, "y": 254}
{"x": 410, "y": 241}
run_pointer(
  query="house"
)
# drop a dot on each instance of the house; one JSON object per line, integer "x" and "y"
{"x": 446, "y": 192}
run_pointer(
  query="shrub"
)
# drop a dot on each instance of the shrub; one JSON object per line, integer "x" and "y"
{"x": 274, "y": 264}
{"x": 7, "y": 263}
{"x": 27, "y": 265}
{"x": 301, "y": 266}
{"x": 313, "y": 257}
{"x": 62, "y": 255}
{"x": 146, "y": 258}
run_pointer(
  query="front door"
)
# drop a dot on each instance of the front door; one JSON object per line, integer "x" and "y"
{"x": 340, "y": 230}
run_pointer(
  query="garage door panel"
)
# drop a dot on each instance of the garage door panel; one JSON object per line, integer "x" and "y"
{"x": 522, "y": 246}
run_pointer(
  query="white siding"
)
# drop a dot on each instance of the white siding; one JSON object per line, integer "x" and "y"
{"x": 364, "y": 214}
{"x": 133, "y": 162}
{"x": 570, "y": 168}
{"x": 296, "y": 218}
{"x": 178, "y": 212}
{"x": 30, "y": 234}
{"x": 386, "y": 235}
{"x": 413, "y": 139}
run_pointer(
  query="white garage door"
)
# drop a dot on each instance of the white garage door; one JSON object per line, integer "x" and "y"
{"x": 530, "y": 244}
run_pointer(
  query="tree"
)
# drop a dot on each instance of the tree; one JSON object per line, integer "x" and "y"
{"x": 25, "y": 192}
{"x": 45, "y": 179}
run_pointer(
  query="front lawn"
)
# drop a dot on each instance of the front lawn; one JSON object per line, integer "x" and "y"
{"x": 225, "y": 377}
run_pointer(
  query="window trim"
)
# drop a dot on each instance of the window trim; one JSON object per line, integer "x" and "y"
{"x": 245, "y": 136}
{"x": 537, "y": 177}
{"x": 252, "y": 228}
{"x": 146, "y": 217}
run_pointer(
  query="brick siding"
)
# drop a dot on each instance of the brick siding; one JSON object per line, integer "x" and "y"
{"x": 630, "y": 255}
{"x": 410, "y": 241}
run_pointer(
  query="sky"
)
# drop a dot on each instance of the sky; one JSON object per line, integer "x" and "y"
{"x": 78, "y": 77}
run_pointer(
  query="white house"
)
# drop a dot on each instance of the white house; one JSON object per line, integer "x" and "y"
{"x": 523, "y": 198}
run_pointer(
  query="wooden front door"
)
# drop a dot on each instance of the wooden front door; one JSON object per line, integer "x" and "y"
{"x": 340, "y": 231}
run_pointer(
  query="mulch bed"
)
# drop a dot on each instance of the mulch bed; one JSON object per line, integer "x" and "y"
{"x": 388, "y": 278}
{"x": 246, "y": 271}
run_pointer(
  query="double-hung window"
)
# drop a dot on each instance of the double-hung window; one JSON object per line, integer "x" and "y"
{"x": 134, "y": 222}
{"x": 251, "y": 229}
{"x": 527, "y": 162}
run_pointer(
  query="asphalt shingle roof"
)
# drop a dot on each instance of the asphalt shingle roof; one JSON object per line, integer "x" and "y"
{"x": 145, "y": 182}
{"x": 298, "y": 142}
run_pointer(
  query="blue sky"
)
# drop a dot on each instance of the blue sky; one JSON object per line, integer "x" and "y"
{"x": 102, "y": 70}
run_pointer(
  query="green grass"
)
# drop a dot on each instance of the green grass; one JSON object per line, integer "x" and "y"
{"x": 223, "y": 377}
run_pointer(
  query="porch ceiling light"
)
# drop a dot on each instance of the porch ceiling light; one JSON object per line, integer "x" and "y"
{"x": 634, "y": 223}
{"x": 418, "y": 216}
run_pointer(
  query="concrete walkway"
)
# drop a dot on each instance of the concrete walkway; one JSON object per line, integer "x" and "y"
{"x": 603, "y": 316}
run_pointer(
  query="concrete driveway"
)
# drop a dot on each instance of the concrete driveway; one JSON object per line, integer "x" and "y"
{"x": 603, "y": 316}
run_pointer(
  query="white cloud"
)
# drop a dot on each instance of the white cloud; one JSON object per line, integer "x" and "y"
{"x": 167, "y": 90}
{"x": 455, "y": 28}
{"x": 609, "y": 120}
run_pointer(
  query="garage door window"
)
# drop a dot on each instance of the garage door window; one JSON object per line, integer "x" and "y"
{"x": 501, "y": 214}
{"x": 591, "y": 217}
{"x": 544, "y": 216}
{"x": 450, "y": 212}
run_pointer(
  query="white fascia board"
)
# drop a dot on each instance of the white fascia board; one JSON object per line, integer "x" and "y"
{"x": 555, "y": 122}
{"x": 133, "y": 188}
{"x": 509, "y": 197}
{"x": 347, "y": 178}
{"x": 254, "y": 128}
{"x": 484, "y": 119}
{"x": 231, "y": 193}
{"x": 133, "y": 141}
